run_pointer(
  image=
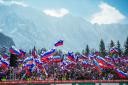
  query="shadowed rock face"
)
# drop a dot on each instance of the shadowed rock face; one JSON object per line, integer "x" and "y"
{"x": 5, "y": 41}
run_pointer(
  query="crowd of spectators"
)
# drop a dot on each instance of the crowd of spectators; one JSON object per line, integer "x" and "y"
{"x": 67, "y": 70}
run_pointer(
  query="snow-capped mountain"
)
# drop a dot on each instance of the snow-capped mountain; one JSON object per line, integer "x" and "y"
{"x": 29, "y": 27}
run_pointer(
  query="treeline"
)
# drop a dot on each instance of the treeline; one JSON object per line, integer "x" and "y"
{"x": 103, "y": 51}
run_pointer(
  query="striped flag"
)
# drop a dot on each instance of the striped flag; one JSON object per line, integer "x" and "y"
{"x": 97, "y": 65}
{"x": 5, "y": 56}
{"x": 85, "y": 63}
{"x": 22, "y": 53}
{"x": 4, "y": 64}
{"x": 47, "y": 54}
{"x": 56, "y": 59}
{"x": 29, "y": 68}
{"x": 27, "y": 59}
{"x": 71, "y": 57}
{"x": 113, "y": 50}
{"x": 59, "y": 43}
{"x": 38, "y": 63}
{"x": 15, "y": 51}
{"x": 103, "y": 63}
{"x": 108, "y": 59}
{"x": 29, "y": 65}
{"x": 121, "y": 74}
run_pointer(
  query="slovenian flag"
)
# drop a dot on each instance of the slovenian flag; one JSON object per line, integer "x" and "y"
{"x": 71, "y": 57}
{"x": 38, "y": 63}
{"x": 56, "y": 59}
{"x": 4, "y": 64}
{"x": 22, "y": 53}
{"x": 113, "y": 50}
{"x": 15, "y": 51}
{"x": 97, "y": 65}
{"x": 121, "y": 74}
{"x": 48, "y": 54}
{"x": 101, "y": 61}
{"x": 85, "y": 63}
{"x": 28, "y": 63}
{"x": 29, "y": 68}
{"x": 28, "y": 59}
{"x": 5, "y": 56}
{"x": 59, "y": 43}
{"x": 108, "y": 59}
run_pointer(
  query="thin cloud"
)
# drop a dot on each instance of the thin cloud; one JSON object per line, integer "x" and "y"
{"x": 107, "y": 15}
{"x": 56, "y": 13}
{"x": 12, "y": 2}
{"x": 19, "y": 3}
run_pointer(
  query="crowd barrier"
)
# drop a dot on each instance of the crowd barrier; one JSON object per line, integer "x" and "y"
{"x": 66, "y": 82}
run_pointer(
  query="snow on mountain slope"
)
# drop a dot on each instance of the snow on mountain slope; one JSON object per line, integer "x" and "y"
{"x": 29, "y": 27}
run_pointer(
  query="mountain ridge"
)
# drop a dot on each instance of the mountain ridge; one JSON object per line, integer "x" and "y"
{"x": 29, "y": 27}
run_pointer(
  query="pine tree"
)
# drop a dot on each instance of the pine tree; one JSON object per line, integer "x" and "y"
{"x": 102, "y": 48}
{"x": 87, "y": 51}
{"x": 112, "y": 44}
{"x": 119, "y": 49}
{"x": 30, "y": 51}
{"x": 126, "y": 47}
{"x": 60, "y": 52}
{"x": 83, "y": 52}
{"x": 34, "y": 48}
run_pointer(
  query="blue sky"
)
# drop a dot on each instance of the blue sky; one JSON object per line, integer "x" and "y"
{"x": 79, "y": 7}
{"x": 95, "y": 11}
{"x": 84, "y": 8}
{"x": 121, "y": 5}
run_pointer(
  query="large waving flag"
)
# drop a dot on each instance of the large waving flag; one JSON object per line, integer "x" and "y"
{"x": 96, "y": 64}
{"x": 4, "y": 64}
{"x": 103, "y": 63}
{"x": 59, "y": 43}
{"x": 29, "y": 65}
{"x": 71, "y": 57}
{"x": 15, "y": 51}
{"x": 47, "y": 54}
{"x": 121, "y": 74}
